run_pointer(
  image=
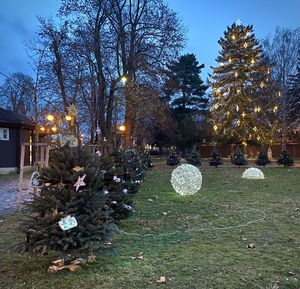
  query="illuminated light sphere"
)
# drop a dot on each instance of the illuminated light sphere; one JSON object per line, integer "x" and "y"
{"x": 68, "y": 117}
{"x": 54, "y": 129}
{"x": 215, "y": 127}
{"x": 186, "y": 180}
{"x": 253, "y": 173}
{"x": 42, "y": 128}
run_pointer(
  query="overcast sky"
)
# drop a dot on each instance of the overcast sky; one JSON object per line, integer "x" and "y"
{"x": 205, "y": 20}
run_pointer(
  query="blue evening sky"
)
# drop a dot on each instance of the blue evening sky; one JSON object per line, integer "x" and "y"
{"x": 205, "y": 21}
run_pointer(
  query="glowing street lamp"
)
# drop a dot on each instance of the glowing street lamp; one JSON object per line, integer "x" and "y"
{"x": 122, "y": 128}
{"x": 124, "y": 79}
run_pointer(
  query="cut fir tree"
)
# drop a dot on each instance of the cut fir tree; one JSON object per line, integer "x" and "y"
{"x": 194, "y": 158}
{"x": 244, "y": 106}
{"x": 262, "y": 159}
{"x": 72, "y": 194}
{"x": 215, "y": 159}
{"x": 173, "y": 158}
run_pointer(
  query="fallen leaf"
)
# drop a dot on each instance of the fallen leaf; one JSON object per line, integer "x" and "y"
{"x": 244, "y": 238}
{"x": 292, "y": 273}
{"x": 59, "y": 262}
{"x": 161, "y": 280}
{"x": 79, "y": 261}
{"x": 195, "y": 270}
{"x": 72, "y": 267}
{"x": 78, "y": 169}
{"x": 150, "y": 200}
{"x": 139, "y": 256}
{"x": 91, "y": 258}
{"x": 165, "y": 213}
{"x": 243, "y": 279}
{"x": 54, "y": 268}
{"x": 250, "y": 246}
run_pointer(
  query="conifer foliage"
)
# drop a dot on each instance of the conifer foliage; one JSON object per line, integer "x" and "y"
{"x": 215, "y": 159}
{"x": 173, "y": 158}
{"x": 59, "y": 197}
{"x": 238, "y": 158}
{"x": 244, "y": 106}
{"x": 194, "y": 158}
{"x": 285, "y": 159}
{"x": 262, "y": 159}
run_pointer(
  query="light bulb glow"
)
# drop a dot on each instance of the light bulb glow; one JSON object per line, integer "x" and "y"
{"x": 50, "y": 117}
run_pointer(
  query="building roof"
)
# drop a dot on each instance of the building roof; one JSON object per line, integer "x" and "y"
{"x": 10, "y": 118}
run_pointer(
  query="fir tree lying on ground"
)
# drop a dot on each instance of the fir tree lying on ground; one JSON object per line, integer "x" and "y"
{"x": 262, "y": 159}
{"x": 215, "y": 159}
{"x": 285, "y": 159}
{"x": 72, "y": 190}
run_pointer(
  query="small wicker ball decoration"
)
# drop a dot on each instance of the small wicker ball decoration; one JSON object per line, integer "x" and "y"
{"x": 253, "y": 173}
{"x": 186, "y": 179}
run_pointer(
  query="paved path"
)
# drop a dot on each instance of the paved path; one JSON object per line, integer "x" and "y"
{"x": 9, "y": 194}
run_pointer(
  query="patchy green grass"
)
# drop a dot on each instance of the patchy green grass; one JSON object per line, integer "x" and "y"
{"x": 196, "y": 242}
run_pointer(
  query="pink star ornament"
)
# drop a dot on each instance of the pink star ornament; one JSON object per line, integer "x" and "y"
{"x": 79, "y": 182}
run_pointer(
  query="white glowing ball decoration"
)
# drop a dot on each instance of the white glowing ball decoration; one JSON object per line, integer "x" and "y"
{"x": 186, "y": 179}
{"x": 253, "y": 173}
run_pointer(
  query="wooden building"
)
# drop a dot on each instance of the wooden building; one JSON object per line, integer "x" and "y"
{"x": 15, "y": 129}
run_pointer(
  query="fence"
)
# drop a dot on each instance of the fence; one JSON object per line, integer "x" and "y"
{"x": 251, "y": 151}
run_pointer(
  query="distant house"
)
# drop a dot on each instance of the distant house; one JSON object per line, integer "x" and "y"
{"x": 15, "y": 129}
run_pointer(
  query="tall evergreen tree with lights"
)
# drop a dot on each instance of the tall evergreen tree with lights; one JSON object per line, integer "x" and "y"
{"x": 293, "y": 103}
{"x": 244, "y": 105}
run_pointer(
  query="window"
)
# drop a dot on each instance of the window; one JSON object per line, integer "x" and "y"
{"x": 4, "y": 134}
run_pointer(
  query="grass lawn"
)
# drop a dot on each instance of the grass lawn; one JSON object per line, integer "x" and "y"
{"x": 196, "y": 241}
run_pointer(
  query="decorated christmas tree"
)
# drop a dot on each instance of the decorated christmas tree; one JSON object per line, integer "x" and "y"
{"x": 173, "y": 158}
{"x": 118, "y": 198}
{"x": 70, "y": 211}
{"x": 194, "y": 158}
{"x": 131, "y": 169}
{"x": 238, "y": 158}
{"x": 262, "y": 159}
{"x": 244, "y": 106}
{"x": 147, "y": 160}
{"x": 215, "y": 159}
{"x": 285, "y": 159}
